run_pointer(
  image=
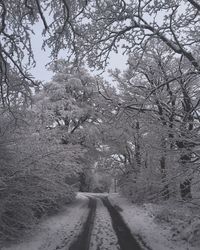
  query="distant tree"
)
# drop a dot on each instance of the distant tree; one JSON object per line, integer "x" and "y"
{"x": 68, "y": 107}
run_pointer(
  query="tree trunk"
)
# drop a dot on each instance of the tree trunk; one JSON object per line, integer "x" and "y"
{"x": 183, "y": 145}
{"x": 185, "y": 186}
{"x": 115, "y": 185}
{"x": 165, "y": 188}
{"x": 185, "y": 189}
{"x": 137, "y": 147}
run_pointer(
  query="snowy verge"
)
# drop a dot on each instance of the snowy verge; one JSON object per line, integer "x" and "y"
{"x": 57, "y": 232}
{"x": 146, "y": 228}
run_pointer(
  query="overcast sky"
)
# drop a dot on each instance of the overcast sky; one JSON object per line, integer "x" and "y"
{"x": 42, "y": 58}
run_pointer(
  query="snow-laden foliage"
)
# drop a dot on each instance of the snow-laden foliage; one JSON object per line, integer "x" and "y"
{"x": 34, "y": 177}
{"x": 93, "y": 29}
{"x": 17, "y": 20}
{"x": 47, "y": 155}
{"x": 130, "y": 26}
{"x": 68, "y": 107}
{"x": 153, "y": 135}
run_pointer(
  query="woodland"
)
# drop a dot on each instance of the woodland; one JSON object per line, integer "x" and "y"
{"x": 139, "y": 128}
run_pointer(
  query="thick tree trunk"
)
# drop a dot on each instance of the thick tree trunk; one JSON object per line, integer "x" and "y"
{"x": 185, "y": 189}
{"x": 138, "y": 148}
{"x": 165, "y": 189}
{"x": 115, "y": 185}
{"x": 185, "y": 147}
{"x": 185, "y": 186}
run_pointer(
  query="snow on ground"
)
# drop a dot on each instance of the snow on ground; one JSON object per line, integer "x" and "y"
{"x": 94, "y": 195}
{"x": 57, "y": 232}
{"x": 164, "y": 226}
{"x": 103, "y": 236}
{"x": 183, "y": 218}
{"x": 142, "y": 222}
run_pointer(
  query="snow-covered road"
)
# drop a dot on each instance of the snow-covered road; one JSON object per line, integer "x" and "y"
{"x": 59, "y": 231}
{"x": 99, "y": 222}
{"x": 104, "y": 228}
{"x": 86, "y": 224}
{"x": 103, "y": 235}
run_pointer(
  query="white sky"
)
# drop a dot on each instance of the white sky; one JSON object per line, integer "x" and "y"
{"x": 41, "y": 57}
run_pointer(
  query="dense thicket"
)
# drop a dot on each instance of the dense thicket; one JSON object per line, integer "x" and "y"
{"x": 35, "y": 170}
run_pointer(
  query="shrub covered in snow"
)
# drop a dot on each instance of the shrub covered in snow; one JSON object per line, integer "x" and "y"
{"x": 191, "y": 232}
{"x": 33, "y": 179}
{"x": 183, "y": 221}
{"x": 29, "y": 195}
{"x": 22, "y": 208}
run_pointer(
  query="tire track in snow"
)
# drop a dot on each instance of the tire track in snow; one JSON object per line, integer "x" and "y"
{"x": 103, "y": 236}
{"x": 83, "y": 240}
{"x": 125, "y": 238}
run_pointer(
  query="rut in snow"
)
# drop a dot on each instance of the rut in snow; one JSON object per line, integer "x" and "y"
{"x": 126, "y": 240}
{"x": 83, "y": 240}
